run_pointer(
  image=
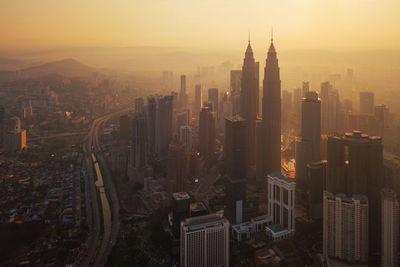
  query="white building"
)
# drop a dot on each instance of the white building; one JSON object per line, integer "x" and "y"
{"x": 345, "y": 230}
{"x": 186, "y": 136}
{"x": 281, "y": 206}
{"x": 390, "y": 228}
{"x": 205, "y": 241}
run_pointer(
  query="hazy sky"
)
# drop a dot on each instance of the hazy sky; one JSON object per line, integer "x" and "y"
{"x": 213, "y": 24}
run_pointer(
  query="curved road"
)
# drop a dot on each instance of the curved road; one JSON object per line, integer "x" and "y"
{"x": 101, "y": 246}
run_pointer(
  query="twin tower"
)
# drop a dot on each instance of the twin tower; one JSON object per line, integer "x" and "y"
{"x": 264, "y": 136}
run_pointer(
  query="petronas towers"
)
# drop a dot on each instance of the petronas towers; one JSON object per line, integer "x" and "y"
{"x": 264, "y": 137}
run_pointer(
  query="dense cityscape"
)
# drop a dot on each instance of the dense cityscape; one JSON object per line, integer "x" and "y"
{"x": 211, "y": 165}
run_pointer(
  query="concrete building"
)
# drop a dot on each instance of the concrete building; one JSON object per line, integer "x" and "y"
{"x": 236, "y": 85}
{"x": 316, "y": 175}
{"x": 164, "y": 125}
{"x": 177, "y": 168}
{"x": 205, "y": 241}
{"x": 207, "y": 132}
{"x": 15, "y": 139}
{"x": 367, "y": 103}
{"x": 355, "y": 167}
{"x": 235, "y": 151}
{"x": 390, "y": 228}
{"x": 308, "y": 147}
{"x": 281, "y": 206}
{"x": 139, "y": 105}
{"x": 345, "y": 230}
{"x": 198, "y": 99}
{"x": 183, "y": 98}
{"x": 186, "y": 136}
{"x": 213, "y": 98}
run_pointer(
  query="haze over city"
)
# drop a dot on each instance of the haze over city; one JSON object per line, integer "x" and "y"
{"x": 200, "y": 133}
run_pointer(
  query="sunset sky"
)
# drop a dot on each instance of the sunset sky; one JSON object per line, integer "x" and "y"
{"x": 210, "y": 24}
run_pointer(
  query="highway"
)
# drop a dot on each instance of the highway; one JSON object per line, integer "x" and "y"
{"x": 100, "y": 244}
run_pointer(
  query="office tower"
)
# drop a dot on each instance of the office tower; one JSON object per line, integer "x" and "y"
{"x": 124, "y": 127}
{"x": 316, "y": 175}
{"x": 182, "y": 94}
{"x": 297, "y": 109}
{"x": 205, "y": 241}
{"x": 15, "y": 139}
{"x": 305, "y": 88}
{"x": 345, "y": 230}
{"x": 286, "y": 108}
{"x": 207, "y": 133}
{"x": 164, "y": 125}
{"x": 271, "y": 143}
{"x": 248, "y": 101}
{"x": 139, "y": 139}
{"x": 367, "y": 103}
{"x": 182, "y": 119}
{"x": 180, "y": 210}
{"x": 185, "y": 136}
{"x": 390, "y": 228}
{"x": 151, "y": 111}
{"x": 308, "y": 146}
{"x": 355, "y": 166}
{"x": 177, "y": 167}
{"x": 139, "y": 105}
{"x": 382, "y": 120}
{"x": 281, "y": 206}
{"x": 236, "y": 85}
{"x": 209, "y": 106}
{"x": 225, "y": 110}
{"x": 213, "y": 98}
{"x": 198, "y": 99}
{"x": 329, "y": 108}
{"x": 236, "y": 167}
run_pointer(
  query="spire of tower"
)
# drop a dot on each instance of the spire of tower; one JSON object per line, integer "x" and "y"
{"x": 249, "y": 36}
{"x": 272, "y": 34}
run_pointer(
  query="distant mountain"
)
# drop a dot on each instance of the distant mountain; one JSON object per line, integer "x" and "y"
{"x": 67, "y": 67}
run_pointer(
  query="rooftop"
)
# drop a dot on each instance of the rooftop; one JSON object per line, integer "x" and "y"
{"x": 181, "y": 195}
{"x": 281, "y": 177}
{"x": 276, "y": 228}
{"x": 198, "y": 206}
{"x": 206, "y": 219}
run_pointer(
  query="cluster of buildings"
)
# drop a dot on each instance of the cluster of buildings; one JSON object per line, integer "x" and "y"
{"x": 46, "y": 193}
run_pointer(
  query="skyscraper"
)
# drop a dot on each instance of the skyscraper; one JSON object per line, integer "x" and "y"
{"x": 164, "y": 125}
{"x": 138, "y": 140}
{"x": 355, "y": 166}
{"x": 213, "y": 98}
{"x": 139, "y": 105}
{"x": 305, "y": 88}
{"x": 185, "y": 135}
{"x": 271, "y": 143}
{"x": 236, "y": 167}
{"x": 367, "y": 103}
{"x": 182, "y": 93}
{"x": 207, "y": 133}
{"x": 248, "y": 99}
{"x": 198, "y": 99}
{"x": 124, "y": 127}
{"x": 151, "y": 113}
{"x": 308, "y": 147}
{"x": 177, "y": 167}
{"x": 316, "y": 176}
{"x": 345, "y": 234}
{"x": 390, "y": 228}
{"x": 236, "y": 84}
{"x": 205, "y": 241}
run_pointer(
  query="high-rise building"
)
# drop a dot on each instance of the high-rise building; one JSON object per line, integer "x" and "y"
{"x": 367, "y": 103}
{"x": 316, "y": 176}
{"x": 182, "y": 119}
{"x": 180, "y": 210}
{"x": 138, "y": 141}
{"x": 249, "y": 99}
{"x": 177, "y": 167}
{"x": 329, "y": 108}
{"x": 185, "y": 136}
{"x": 164, "y": 125}
{"x": 124, "y": 127}
{"x": 281, "y": 206}
{"x": 355, "y": 166}
{"x": 382, "y": 120}
{"x": 271, "y": 143}
{"x": 236, "y": 167}
{"x": 139, "y": 105}
{"x": 182, "y": 94}
{"x": 345, "y": 230}
{"x": 213, "y": 98}
{"x": 205, "y": 241}
{"x": 305, "y": 88}
{"x": 15, "y": 139}
{"x": 236, "y": 85}
{"x": 207, "y": 132}
{"x": 198, "y": 99}
{"x": 390, "y": 228}
{"x": 151, "y": 112}
{"x": 308, "y": 147}
{"x": 286, "y": 108}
